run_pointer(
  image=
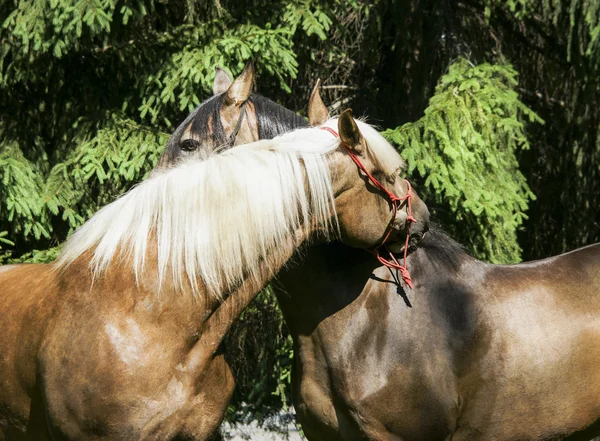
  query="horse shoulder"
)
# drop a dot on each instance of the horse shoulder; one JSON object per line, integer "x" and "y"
{"x": 112, "y": 363}
{"x": 27, "y": 303}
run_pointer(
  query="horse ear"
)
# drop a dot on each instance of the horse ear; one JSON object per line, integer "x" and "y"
{"x": 222, "y": 81}
{"x": 317, "y": 111}
{"x": 241, "y": 88}
{"x": 349, "y": 131}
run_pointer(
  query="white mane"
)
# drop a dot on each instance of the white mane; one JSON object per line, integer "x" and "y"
{"x": 215, "y": 220}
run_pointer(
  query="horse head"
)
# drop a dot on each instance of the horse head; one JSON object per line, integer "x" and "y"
{"x": 369, "y": 173}
{"x": 385, "y": 171}
{"x": 234, "y": 115}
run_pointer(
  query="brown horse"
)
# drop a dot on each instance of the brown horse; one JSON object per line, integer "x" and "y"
{"x": 472, "y": 352}
{"x": 233, "y": 116}
{"x": 118, "y": 340}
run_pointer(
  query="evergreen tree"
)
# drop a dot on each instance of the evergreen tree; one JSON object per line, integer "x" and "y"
{"x": 464, "y": 149}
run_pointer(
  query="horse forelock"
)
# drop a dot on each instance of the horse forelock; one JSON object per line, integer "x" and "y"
{"x": 206, "y": 124}
{"x": 211, "y": 222}
{"x": 383, "y": 154}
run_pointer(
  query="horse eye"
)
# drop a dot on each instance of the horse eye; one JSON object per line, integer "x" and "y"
{"x": 189, "y": 145}
{"x": 379, "y": 175}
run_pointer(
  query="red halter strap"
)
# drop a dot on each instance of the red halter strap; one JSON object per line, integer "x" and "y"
{"x": 395, "y": 201}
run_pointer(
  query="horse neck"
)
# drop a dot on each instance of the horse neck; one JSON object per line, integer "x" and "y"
{"x": 440, "y": 261}
{"x": 320, "y": 282}
{"x": 217, "y": 325}
{"x": 330, "y": 278}
{"x": 348, "y": 317}
{"x": 203, "y": 314}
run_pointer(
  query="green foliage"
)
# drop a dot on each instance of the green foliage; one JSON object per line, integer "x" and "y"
{"x": 191, "y": 70}
{"x": 38, "y": 256}
{"x": 313, "y": 21}
{"x": 464, "y": 147}
{"x": 555, "y": 46}
{"x": 21, "y": 201}
{"x": 108, "y": 156}
{"x": 3, "y": 239}
{"x": 119, "y": 153}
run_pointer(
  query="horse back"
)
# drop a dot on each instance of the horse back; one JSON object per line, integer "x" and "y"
{"x": 571, "y": 280}
{"x": 584, "y": 260}
{"x": 537, "y": 375}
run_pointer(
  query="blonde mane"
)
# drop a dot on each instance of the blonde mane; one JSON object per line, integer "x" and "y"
{"x": 216, "y": 220}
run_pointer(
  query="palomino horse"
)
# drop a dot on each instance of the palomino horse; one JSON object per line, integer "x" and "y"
{"x": 251, "y": 116}
{"x": 472, "y": 352}
{"x": 117, "y": 340}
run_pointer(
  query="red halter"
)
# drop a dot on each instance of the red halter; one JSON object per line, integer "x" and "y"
{"x": 395, "y": 201}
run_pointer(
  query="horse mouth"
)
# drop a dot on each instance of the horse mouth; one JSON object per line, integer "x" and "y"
{"x": 397, "y": 245}
{"x": 415, "y": 239}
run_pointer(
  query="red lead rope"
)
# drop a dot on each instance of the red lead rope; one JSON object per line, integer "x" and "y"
{"x": 395, "y": 200}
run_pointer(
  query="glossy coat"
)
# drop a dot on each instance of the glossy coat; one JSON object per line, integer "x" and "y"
{"x": 474, "y": 352}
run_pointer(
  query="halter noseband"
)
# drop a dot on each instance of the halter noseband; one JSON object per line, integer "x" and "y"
{"x": 395, "y": 201}
{"x": 238, "y": 126}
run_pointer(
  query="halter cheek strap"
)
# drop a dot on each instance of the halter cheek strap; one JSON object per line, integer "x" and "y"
{"x": 395, "y": 201}
{"x": 238, "y": 126}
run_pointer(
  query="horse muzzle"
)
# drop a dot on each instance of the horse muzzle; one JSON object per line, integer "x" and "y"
{"x": 401, "y": 226}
